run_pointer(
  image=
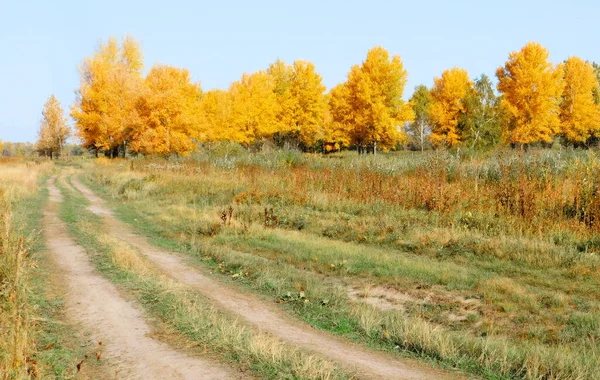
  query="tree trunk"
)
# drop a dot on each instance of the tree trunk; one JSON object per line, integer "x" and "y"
{"x": 374, "y": 148}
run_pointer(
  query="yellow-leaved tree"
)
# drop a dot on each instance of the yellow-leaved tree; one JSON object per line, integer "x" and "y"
{"x": 301, "y": 97}
{"x": 447, "y": 104}
{"x": 105, "y": 108}
{"x": 308, "y": 103}
{"x": 215, "y": 113}
{"x": 531, "y": 87}
{"x": 54, "y": 131}
{"x": 373, "y": 93}
{"x": 579, "y": 113}
{"x": 169, "y": 111}
{"x": 281, "y": 74}
{"x": 337, "y": 119}
{"x": 254, "y": 109}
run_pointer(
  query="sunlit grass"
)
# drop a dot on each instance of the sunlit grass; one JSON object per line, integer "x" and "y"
{"x": 496, "y": 258}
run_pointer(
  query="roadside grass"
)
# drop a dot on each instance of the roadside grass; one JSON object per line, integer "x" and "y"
{"x": 474, "y": 280}
{"x": 200, "y": 325}
{"x": 35, "y": 339}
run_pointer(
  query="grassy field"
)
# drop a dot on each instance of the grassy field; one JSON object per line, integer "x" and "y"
{"x": 485, "y": 264}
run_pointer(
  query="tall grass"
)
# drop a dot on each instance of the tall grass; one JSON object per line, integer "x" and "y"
{"x": 18, "y": 185}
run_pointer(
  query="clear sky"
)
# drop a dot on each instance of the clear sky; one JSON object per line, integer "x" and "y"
{"x": 42, "y": 42}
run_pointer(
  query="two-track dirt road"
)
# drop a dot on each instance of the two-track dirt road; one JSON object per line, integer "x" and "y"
{"x": 94, "y": 302}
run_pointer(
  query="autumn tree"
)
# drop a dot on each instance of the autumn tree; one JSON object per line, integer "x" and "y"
{"x": 281, "y": 74}
{"x": 448, "y": 104}
{"x": 338, "y": 123}
{"x": 373, "y": 93}
{"x": 301, "y": 97}
{"x": 481, "y": 122}
{"x": 169, "y": 113}
{"x": 254, "y": 109}
{"x": 420, "y": 127}
{"x": 215, "y": 115}
{"x": 53, "y": 131}
{"x": 579, "y": 112}
{"x": 531, "y": 88}
{"x": 105, "y": 110}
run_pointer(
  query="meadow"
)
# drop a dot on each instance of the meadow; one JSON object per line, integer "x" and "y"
{"x": 488, "y": 264}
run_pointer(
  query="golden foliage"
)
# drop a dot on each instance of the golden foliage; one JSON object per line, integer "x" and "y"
{"x": 531, "y": 88}
{"x": 105, "y": 109}
{"x": 165, "y": 113}
{"x": 373, "y": 97}
{"x": 337, "y": 120}
{"x": 53, "y": 131}
{"x": 448, "y": 95}
{"x": 169, "y": 110}
{"x": 254, "y": 109}
{"x": 579, "y": 113}
{"x": 215, "y": 113}
{"x": 301, "y": 97}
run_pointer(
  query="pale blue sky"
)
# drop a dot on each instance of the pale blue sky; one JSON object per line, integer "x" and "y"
{"x": 43, "y": 42}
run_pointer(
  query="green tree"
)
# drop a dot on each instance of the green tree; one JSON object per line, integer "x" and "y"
{"x": 481, "y": 123}
{"x": 421, "y": 125}
{"x": 596, "y": 67}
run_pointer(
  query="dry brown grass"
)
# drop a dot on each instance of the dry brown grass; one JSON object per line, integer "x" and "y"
{"x": 18, "y": 182}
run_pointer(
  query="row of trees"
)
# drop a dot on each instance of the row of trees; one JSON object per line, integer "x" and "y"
{"x": 118, "y": 109}
{"x": 538, "y": 101}
{"x": 16, "y": 149}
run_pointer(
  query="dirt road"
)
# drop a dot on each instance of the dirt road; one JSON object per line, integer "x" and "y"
{"x": 119, "y": 329}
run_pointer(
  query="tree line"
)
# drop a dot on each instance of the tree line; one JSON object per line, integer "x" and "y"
{"x": 118, "y": 110}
